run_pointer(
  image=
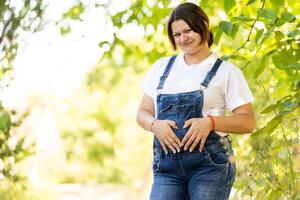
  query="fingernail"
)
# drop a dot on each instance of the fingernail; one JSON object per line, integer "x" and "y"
{"x": 200, "y": 150}
{"x": 174, "y": 152}
{"x": 191, "y": 150}
{"x": 166, "y": 152}
{"x": 178, "y": 150}
{"x": 185, "y": 148}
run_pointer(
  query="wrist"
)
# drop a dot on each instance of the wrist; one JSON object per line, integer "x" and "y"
{"x": 212, "y": 120}
{"x": 151, "y": 124}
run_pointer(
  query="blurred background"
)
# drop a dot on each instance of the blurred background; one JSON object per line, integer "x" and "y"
{"x": 69, "y": 91}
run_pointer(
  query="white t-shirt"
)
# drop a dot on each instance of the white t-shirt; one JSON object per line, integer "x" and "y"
{"x": 228, "y": 89}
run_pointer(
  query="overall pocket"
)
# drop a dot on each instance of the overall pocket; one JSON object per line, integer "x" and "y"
{"x": 219, "y": 152}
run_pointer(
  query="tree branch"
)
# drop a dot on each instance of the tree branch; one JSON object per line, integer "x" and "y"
{"x": 250, "y": 33}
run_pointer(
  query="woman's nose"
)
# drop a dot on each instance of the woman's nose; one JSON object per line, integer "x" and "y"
{"x": 183, "y": 37}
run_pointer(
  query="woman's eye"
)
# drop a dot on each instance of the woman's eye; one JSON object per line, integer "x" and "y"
{"x": 188, "y": 30}
{"x": 176, "y": 35}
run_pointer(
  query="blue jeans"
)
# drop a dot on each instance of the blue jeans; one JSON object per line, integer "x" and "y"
{"x": 206, "y": 175}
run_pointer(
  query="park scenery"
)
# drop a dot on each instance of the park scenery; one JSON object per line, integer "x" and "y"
{"x": 70, "y": 89}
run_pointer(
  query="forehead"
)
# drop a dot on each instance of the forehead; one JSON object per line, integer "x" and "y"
{"x": 179, "y": 25}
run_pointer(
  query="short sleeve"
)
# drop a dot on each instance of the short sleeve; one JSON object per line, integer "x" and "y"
{"x": 238, "y": 92}
{"x": 150, "y": 81}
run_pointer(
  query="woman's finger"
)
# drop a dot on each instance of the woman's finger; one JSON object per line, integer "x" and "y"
{"x": 164, "y": 147}
{"x": 187, "y": 123}
{"x": 190, "y": 141}
{"x": 177, "y": 143}
{"x": 174, "y": 143}
{"x": 172, "y": 124}
{"x": 195, "y": 143}
{"x": 170, "y": 146}
{"x": 202, "y": 144}
{"x": 186, "y": 137}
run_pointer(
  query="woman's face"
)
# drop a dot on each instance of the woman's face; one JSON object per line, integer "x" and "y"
{"x": 185, "y": 38}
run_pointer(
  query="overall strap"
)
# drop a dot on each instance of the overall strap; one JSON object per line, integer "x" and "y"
{"x": 211, "y": 74}
{"x": 163, "y": 78}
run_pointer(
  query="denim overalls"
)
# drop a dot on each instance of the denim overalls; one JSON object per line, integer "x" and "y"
{"x": 206, "y": 175}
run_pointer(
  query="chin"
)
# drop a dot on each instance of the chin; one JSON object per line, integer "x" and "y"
{"x": 189, "y": 51}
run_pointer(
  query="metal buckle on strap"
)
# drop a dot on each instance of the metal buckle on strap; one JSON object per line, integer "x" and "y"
{"x": 158, "y": 91}
{"x": 202, "y": 87}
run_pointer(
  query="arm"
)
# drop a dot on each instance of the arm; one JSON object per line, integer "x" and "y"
{"x": 242, "y": 121}
{"x": 161, "y": 128}
{"x": 146, "y": 112}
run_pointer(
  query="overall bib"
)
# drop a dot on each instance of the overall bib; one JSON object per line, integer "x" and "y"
{"x": 206, "y": 175}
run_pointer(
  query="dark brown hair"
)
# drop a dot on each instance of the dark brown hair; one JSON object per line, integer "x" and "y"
{"x": 195, "y": 17}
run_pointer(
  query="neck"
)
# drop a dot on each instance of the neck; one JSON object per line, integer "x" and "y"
{"x": 198, "y": 56}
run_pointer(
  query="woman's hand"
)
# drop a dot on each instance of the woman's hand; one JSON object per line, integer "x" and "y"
{"x": 164, "y": 133}
{"x": 198, "y": 132}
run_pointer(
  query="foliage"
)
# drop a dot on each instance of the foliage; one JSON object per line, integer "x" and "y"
{"x": 20, "y": 191}
{"x": 15, "y": 19}
{"x": 97, "y": 136}
{"x": 13, "y": 145}
{"x": 262, "y": 38}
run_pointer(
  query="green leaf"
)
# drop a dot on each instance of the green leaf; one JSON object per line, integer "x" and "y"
{"x": 234, "y": 30}
{"x": 288, "y": 104}
{"x": 267, "y": 13}
{"x": 288, "y": 17}
{"x": 228, "y": 4}
{"x": 295, "y": 66}
{"x": 64, "y": 30}
{"x": 225, "y": 57}
{"x": 238, "y": 57}
{"x": 277, "y": 2}
{"x": 258, "y": 35}
{"x": 226, "y": 27}
{"x": 269, "y": 109}
{"x": 293, "y": 33}
{"x": 279, "y": 35}
{"x": 218, "y": 36}
{"x": 75, "y": 12}
{"x": 262, "y": 66}
{"x": 272, "y": 125}
{"x": 279, "y": 61}
{"x": 5, "y": 122}
{"x": 243, "y": 18}
{"x": 250, "y": 2}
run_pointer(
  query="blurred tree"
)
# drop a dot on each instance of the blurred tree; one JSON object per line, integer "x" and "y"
{"x": 16, "y": 18}
{"x": 261, "y": 37}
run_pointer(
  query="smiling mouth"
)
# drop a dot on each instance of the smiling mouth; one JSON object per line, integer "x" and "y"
{"x": 187, "y": 44}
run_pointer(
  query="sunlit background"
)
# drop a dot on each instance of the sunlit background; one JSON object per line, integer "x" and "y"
{"x": 73, "y": 91}
{"x": 50, "y": 82}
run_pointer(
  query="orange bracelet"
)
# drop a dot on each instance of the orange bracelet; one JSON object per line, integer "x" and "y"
{"x": 212, "y": 122}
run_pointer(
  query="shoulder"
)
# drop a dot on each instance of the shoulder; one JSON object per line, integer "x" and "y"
{"x": 229, "y": 68}
{"x": 163, "y": 60}
{"x": 160, "y": 64}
